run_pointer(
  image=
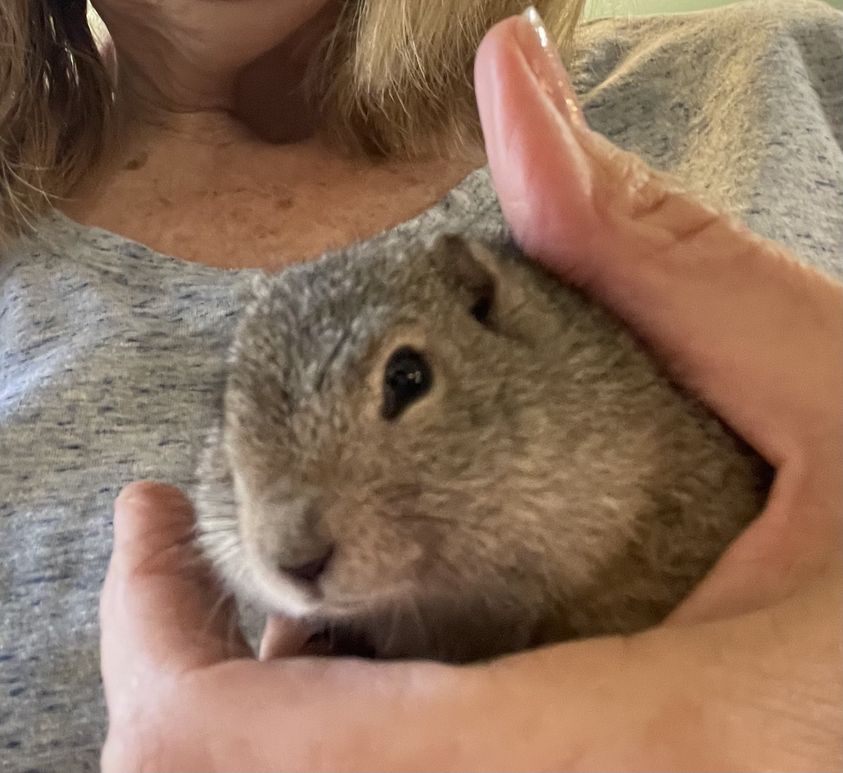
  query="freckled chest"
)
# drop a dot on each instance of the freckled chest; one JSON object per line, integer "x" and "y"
{"x": 239, "y": 207}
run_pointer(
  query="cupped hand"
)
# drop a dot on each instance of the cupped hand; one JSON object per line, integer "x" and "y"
{"x": 746, "y": 677}
{"x": 755, "y": 334}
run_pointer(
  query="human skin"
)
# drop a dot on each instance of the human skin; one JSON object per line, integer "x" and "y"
{"x": 746, "y": 673}
{"x": 188, "y": 177}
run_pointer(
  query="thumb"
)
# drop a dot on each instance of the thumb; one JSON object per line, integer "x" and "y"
{"x": 732, "y": 314}
{"x": 738, "y": 321}
{"x": 161, "y": 612}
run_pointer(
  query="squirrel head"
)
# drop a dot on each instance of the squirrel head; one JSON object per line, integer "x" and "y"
{"x": 428, "y": 440}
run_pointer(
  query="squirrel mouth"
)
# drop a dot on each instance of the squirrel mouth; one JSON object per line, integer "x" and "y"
{"x": 423, "y": 629}
{"x": 338, "y": 640}
{"x": 375, "y": 638}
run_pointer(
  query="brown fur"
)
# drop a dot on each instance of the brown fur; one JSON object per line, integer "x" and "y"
{"x": 552, "y": 483}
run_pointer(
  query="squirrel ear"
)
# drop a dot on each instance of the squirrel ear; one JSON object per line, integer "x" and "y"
{"x": 471, "y": 269}
{"x": 500, "y": 288}
{"x": 487, "y": 277}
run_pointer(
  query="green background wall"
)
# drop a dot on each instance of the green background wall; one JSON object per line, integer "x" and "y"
{"x": 596, "y": 8}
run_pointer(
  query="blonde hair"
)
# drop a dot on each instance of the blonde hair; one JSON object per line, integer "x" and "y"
{"x": 55, "y": 105}
{"x": 395, "y": 78}
{"x": 398, "y": 73}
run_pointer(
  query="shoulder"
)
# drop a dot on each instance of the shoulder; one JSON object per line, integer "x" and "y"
{"x": 745, "y": 19}
{"x": 695, "y": 43}
{"x": 741, "y": 103}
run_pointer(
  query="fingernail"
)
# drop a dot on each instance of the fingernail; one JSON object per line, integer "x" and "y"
{"x": 536, "y": 22}
{"x": 543, "y": 58}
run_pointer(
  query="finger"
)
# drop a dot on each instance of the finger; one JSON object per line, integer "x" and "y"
{"x": 795, "y": 539}
{"x": 755, "y": 334}
{"x": 283, "y": 638}
{"x": 161, "y": 612}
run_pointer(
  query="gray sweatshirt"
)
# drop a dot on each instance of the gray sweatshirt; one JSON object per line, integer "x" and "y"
{"x": 111, "y": 354}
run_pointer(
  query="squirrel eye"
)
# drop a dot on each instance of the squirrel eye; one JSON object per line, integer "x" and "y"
{"x": 407, "y": 377}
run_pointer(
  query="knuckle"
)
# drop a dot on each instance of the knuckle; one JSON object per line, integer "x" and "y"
{"x": 640, "y": 187}
{"x": 629, "y": 185}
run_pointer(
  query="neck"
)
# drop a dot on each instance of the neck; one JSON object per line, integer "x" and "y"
{"x": 201, "y": 185}
{"x": 234, "y": 172}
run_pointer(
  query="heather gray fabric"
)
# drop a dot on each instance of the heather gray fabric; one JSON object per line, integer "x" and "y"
{"x": 111, "y": 354}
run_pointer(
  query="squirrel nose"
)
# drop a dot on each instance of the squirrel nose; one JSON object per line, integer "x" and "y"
{"x": 310, "y": 571}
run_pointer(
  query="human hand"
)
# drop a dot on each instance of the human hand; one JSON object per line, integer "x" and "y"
{"x": 758, "y": 691}
{"x": 756, "y": 335}
{"x": 184, "y": 692}
{"x": 748, "y": 675}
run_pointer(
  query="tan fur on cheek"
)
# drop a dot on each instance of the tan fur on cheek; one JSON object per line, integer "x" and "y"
{"x": 558, "y": 484}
